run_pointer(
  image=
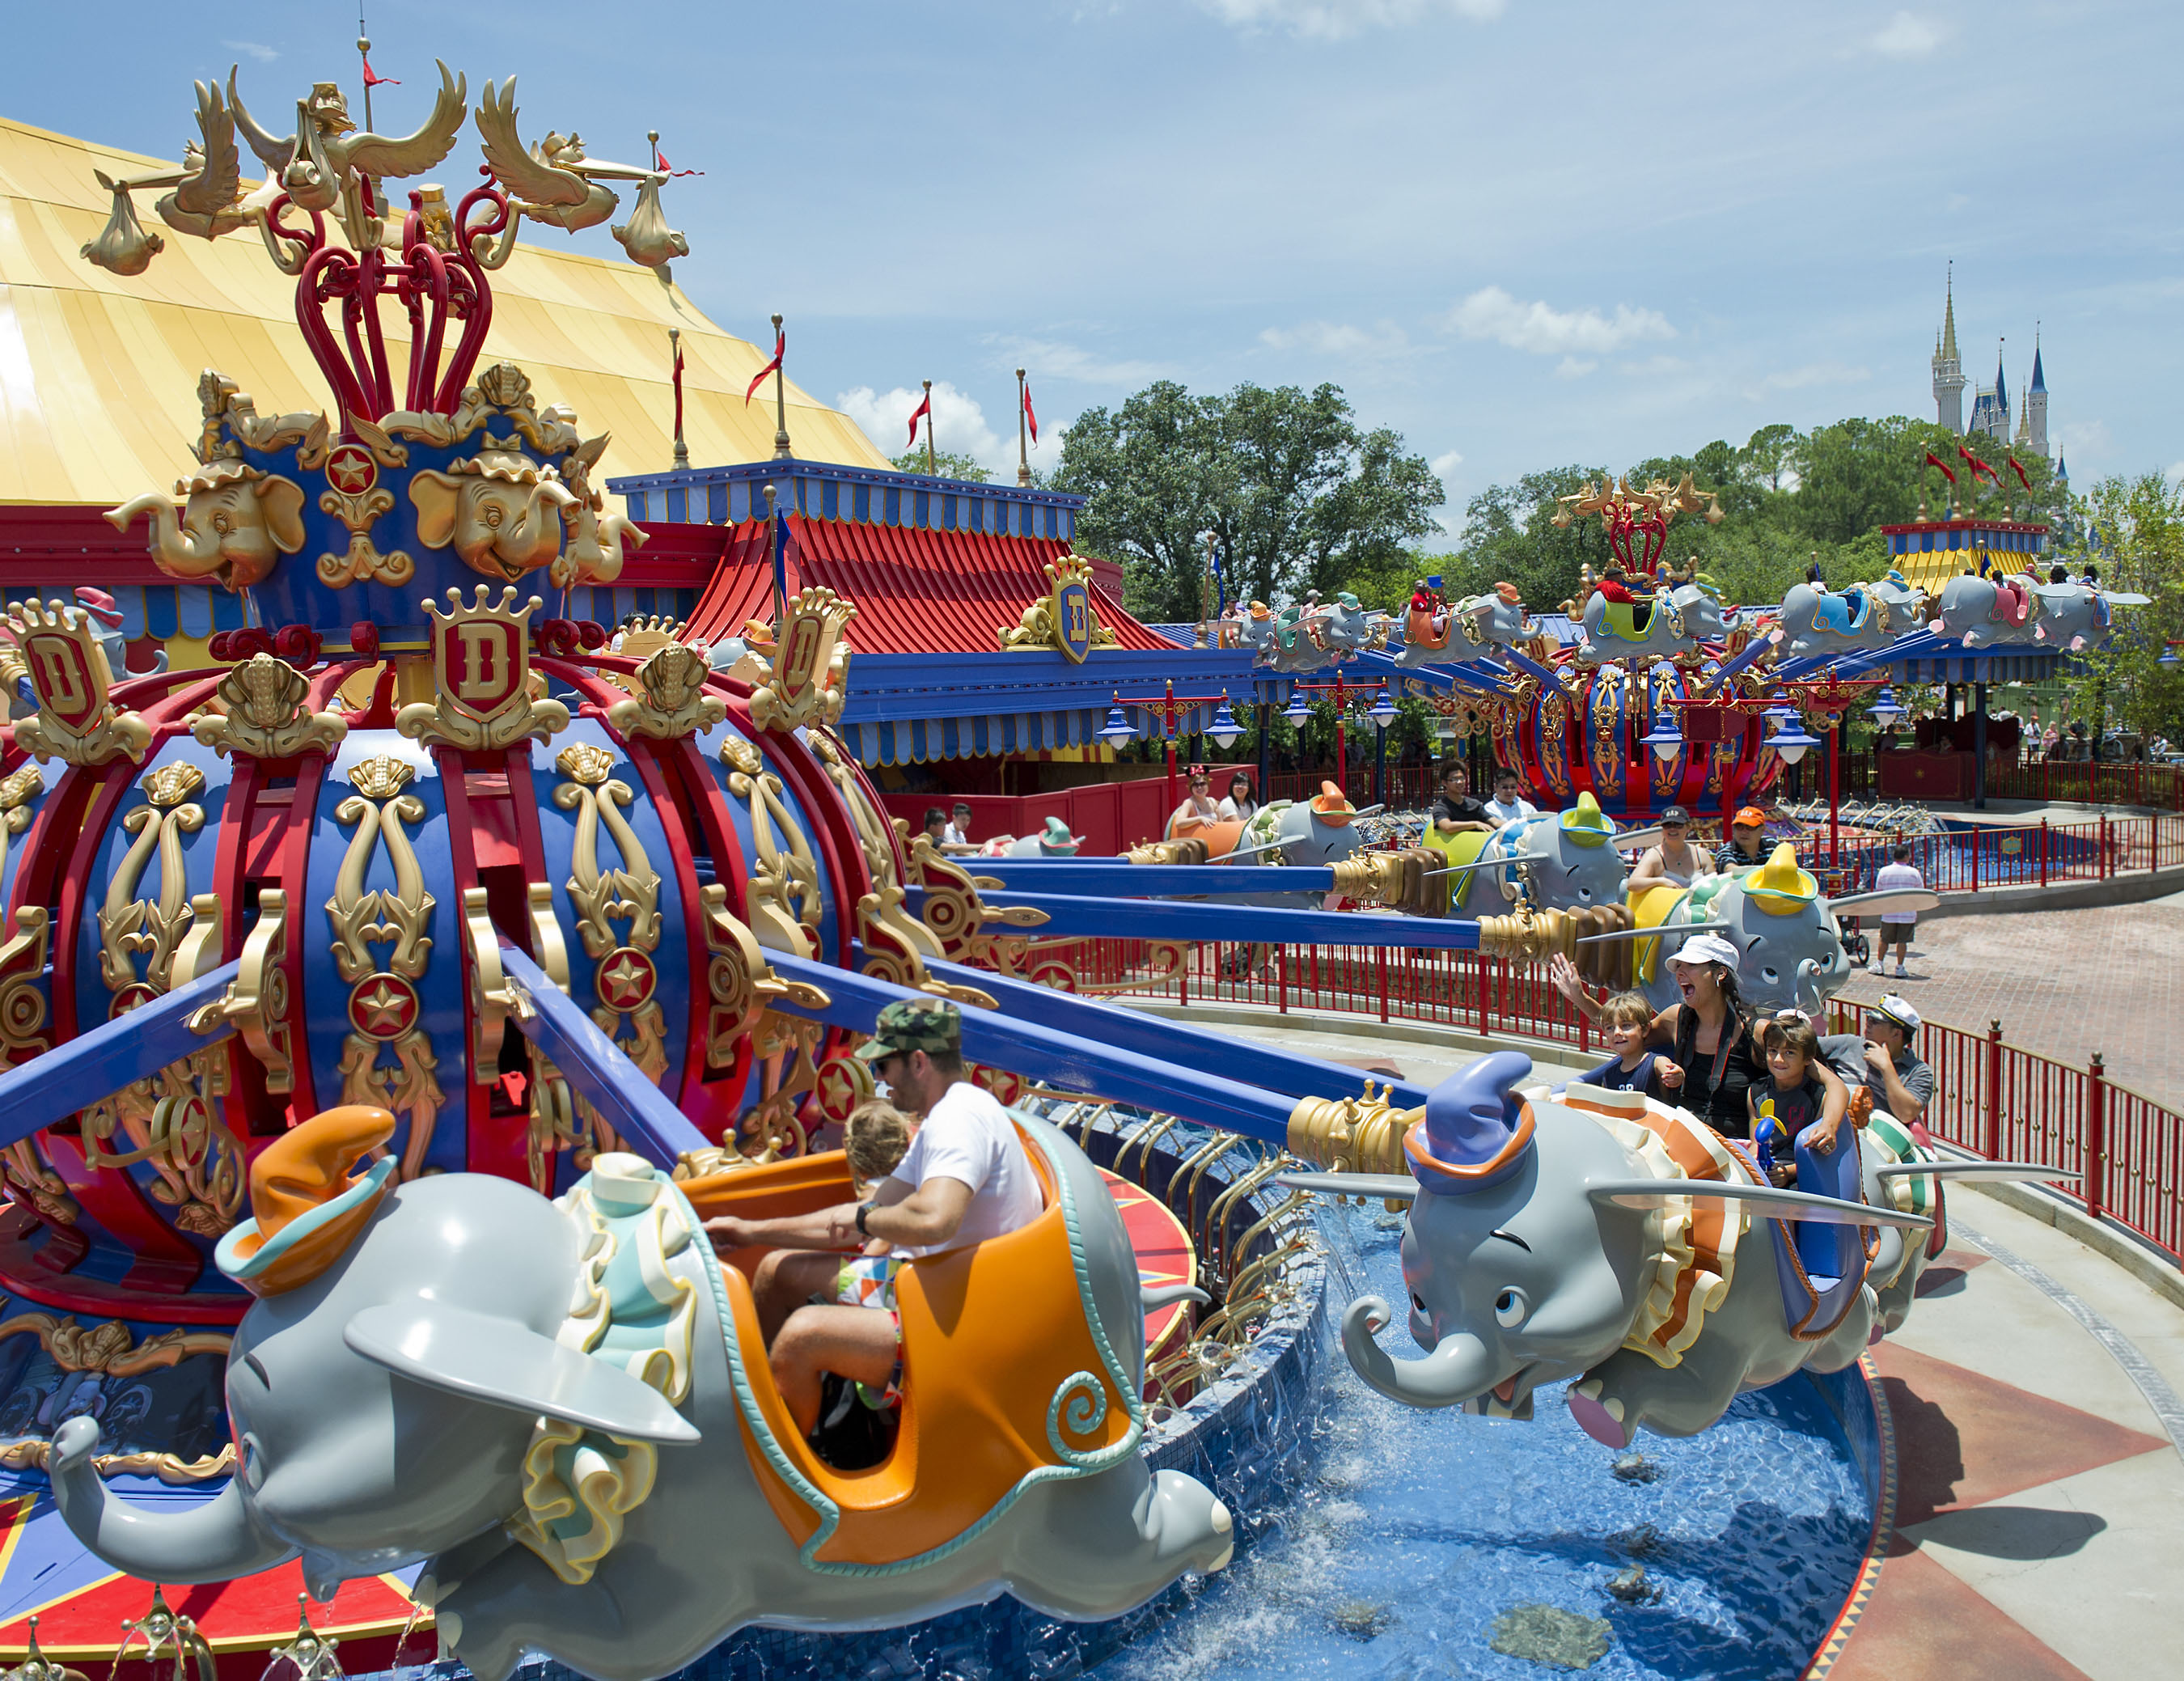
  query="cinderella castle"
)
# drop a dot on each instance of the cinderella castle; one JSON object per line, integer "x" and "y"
{"x": 1990, "y": 405}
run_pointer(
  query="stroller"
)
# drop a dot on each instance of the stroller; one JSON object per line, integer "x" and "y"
{"x": 1857, "y": 947}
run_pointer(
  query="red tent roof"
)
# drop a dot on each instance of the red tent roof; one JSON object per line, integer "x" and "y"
{"x": 916, "y": 591}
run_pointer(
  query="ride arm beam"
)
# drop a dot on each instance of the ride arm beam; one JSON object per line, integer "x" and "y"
{"x": 133, "y": 1046}
{"x": 595, "y": 1065}
{"x": 1111, "y": 878}
{"x": 1216, "y": 1052}
{"x": 1163, "y": 918}
{"x": 1044, "y": 1053}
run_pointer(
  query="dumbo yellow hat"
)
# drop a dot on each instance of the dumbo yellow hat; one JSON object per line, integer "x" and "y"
{"x": 1587, "y": 825}
{"x": 1778, "y": 886}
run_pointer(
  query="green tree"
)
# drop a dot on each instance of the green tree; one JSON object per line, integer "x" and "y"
{"x": 1296, "y": 495}
{"x": 2133, "y": 530}
{"x": 946, "y": 464}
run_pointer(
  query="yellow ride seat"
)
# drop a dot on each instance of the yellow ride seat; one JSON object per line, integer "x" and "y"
{"x": 996, "y": 1354}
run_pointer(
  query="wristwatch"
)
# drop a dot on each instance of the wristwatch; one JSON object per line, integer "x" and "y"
{"x": 864, "y": 1213}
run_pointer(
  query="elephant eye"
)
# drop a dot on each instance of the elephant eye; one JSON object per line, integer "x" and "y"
{"x": 493, "y": 516}
{"x": 1768, "y": 974}
{"x": 1418, "y": 1301}
{"x": 222, "y": 523}
{"x": 1510, "y": 1308}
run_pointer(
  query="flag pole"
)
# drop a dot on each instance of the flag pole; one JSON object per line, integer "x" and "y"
{"x": 675, "y": 349}
{"x": 931, "y": 458}
{"x": 364, "y": 51}
{"x": 781, "y": 450}
{"x": 1023, "y": 453}
{"x": 775, "y": 532}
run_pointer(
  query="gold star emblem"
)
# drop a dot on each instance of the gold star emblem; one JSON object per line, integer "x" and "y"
{"x": 350, "y": 471}
{"x": 626, "y": 979}
{"x": 383, "y": 1007}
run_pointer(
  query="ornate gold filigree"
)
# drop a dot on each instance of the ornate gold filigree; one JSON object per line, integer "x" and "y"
{"x": 22, "y": 988}
{"x": 954, "y": 915}
{"x": 31, "y": 1454}
{"x": 1351, "y": 1134}
{"x": 128, "y": 925}
{"x": 77, "y": 722}
{"x": 740, "y": 985}
{"x": 31, "y": 1179}
{"x": 671, "y": 700}
{"x": 624, "y": 977}
{"x": 362, "y": 563}
{"x": 896, "y": 943}
{"x": 384, "y": 1008}
{"x": 110, "y": 1348}
{"x": 264, "y": 714}
{"x": 809, "y": 679}
{"x": 781, "y": 897}
{"x": 482, "y": 697}
{"x": 17, "y": 792}
{"x": 1045, "y": 625}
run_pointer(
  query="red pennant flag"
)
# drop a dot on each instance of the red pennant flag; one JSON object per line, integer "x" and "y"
{"x": 2017, "y": 467}
{"x": 373, "y": 78}
{"x": 1030, "y": 415}
{"x": 780, "y": 344}
{"x": 659, "y": 163}
{"x": 923, "y": 412}
{"x": 1978, "y": 465}
{"x": 1947, "y": 471}
{"x": 678, "y": 389}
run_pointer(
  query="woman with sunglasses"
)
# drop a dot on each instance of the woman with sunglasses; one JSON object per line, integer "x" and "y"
{"x": 1674, "y": 861}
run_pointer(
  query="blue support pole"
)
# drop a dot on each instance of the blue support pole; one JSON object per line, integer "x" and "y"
{"x": 596, "y": 1068}
{"x": 1046, "y": 1054}
{"x": 1108, "y": 878}
{"x": 1215, "y": 1052}
{"x": 1164, "y": 918}
{"x": 133, "y": 1046}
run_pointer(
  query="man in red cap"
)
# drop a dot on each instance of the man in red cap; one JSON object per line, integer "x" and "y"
{"x": 1746, "y": 847}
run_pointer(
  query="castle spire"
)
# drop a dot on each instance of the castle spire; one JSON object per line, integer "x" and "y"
{"x": 1949, "y": 369}
{"x": 1949, "y": 316}
{"x": 2036, "y": 399}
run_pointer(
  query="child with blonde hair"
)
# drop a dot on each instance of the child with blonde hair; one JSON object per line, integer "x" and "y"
{"x": 875, "y": 1138}
{"x": 1624, "y": 1021}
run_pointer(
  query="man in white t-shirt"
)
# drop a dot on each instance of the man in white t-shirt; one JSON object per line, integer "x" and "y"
{"x": 1896, "y": 926}
{"x": 1508, "y": 805}
{"x": 966, "y": 1179}
{"x": 957, "y": 837}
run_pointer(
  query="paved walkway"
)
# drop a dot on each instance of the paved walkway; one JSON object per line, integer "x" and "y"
{"x": 2037, "y": 1534}
{"x": 2064, "y": 983}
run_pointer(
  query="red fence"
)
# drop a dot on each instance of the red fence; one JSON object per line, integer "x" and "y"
{"x": 1993, "y": 1099}
{"x": 2090, "y": 784}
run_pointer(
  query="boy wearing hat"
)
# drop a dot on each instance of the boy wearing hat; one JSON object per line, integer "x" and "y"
{"x": 965, "y": 1178}
{"x": 1746, "y": 849}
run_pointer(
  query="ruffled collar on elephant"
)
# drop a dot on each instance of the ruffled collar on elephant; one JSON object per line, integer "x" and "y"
{"x": 1691, "y": 1253}
{"x": 628, "y": 1307}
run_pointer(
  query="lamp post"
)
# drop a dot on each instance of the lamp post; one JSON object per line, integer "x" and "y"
{"x": 1344, "y": 694}
{"x": 1168, "y": 711}
{"x": 1833, "y": 696}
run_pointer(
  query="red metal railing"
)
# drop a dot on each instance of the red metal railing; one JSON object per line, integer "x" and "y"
{"x": 1990, "y": 1098}
{"x": 2090, "y": 784}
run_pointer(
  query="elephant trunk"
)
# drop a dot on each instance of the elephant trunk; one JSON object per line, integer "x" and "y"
{"x": 1810, "y": 998}
{"x": 189, "y": 553}
{"x": 1460, "y": 1367}
{"x": 210, "y": 1543}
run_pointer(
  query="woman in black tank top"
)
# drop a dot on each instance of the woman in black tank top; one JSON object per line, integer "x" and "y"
{"x": 1710, "y": 1039}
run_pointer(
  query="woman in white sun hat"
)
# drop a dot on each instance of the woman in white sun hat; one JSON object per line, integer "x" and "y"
{"x": 1712, "y": 1061}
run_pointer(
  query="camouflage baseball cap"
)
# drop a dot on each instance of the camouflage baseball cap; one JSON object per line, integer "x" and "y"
{"x": 932, "y": 1025}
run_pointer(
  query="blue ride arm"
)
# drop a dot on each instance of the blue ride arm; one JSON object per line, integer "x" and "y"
{"x": 1044, "y": 1053}
{"x": 1161, "y": 919}
{"x": 1110, "y": 878}
{"x": 133, "y": 1046}
{"x": 1174, "y": 1041}
{"x": 595, "y": 1067}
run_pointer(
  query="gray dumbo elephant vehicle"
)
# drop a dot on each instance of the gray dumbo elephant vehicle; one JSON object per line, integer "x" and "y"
{"x": 1607, "y": 1240}
{"x": 1816, "y": 620}
{"x": 1789, "y": 951}
{"x": 565, "y": 1411}
{"x": 1672, "y": 621}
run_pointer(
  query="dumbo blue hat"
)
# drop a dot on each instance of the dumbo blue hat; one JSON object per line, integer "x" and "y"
{"x": 1478, "y": 1128}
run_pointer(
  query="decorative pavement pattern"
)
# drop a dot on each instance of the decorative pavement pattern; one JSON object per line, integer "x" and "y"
{"x": 2036, "y": 1529}
{"x": 2064, "y": 983}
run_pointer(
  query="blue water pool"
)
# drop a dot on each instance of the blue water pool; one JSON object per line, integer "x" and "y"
{"x": 1414, "y": 1532}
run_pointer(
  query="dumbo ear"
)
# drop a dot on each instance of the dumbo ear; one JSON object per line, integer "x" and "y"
{"x": 1385, "y": 1187}
{"x": 1880, "y": 903}
{"x": 1765, "y": 1200}
{"x": 491, "y": 1360}
{"x": 1976, "y": 1170}
{"x": 282, "y": 501}
{"x": 434, "y": 496}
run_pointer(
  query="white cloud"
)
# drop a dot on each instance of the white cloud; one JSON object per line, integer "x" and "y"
{"x": 1544, "y": 330}
{"x": 252, "y": 49}
{"x": 1573, "y": 368}
{"x": 1336, "y": 19}
{"x": 1812, "y": 374}
{"x": 1052, "y": 359}
{"x": 959, "y": 424}
{"x": 1333, "y": 338}
{"x": 1907, "y": 37}
{"x": 1443, "y": 465}
{"x": 1654, "y": 367}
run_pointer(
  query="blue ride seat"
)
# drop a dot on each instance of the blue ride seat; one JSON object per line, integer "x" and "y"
{"x": 1844, "y": 614}
{"x": 1822, "y": 1267}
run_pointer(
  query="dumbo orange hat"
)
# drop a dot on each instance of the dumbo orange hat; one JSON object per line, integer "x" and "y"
{"x": 306, "y": 1207}
{"x": 1332, "y": 806}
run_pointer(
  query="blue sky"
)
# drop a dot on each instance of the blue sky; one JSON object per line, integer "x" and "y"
{"x": 1522, "y": 234}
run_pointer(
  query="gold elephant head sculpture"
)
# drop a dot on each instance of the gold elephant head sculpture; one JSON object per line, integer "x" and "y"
{"x": 235, "y": 524}
{"x": 499, "y": 510}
